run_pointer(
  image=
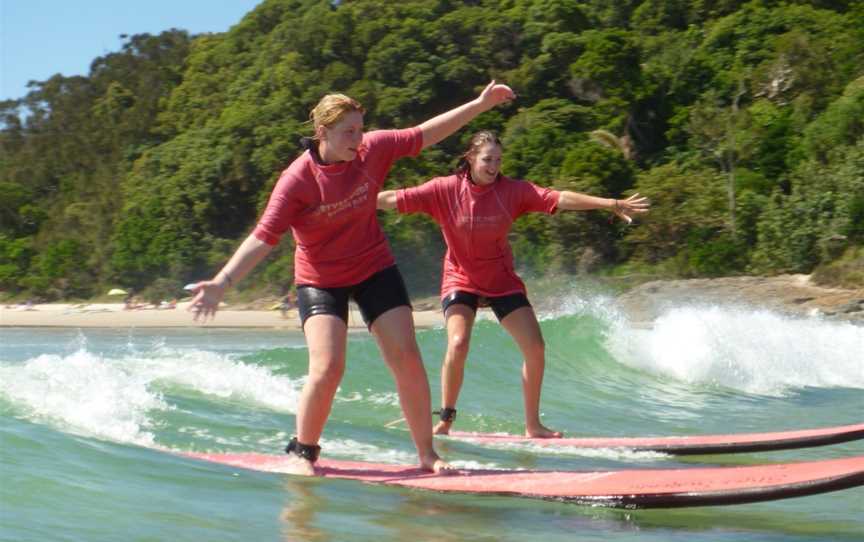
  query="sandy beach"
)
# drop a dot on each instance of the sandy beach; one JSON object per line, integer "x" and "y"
{"x": 787, "y": 294}
{"x": 113, "y": 315}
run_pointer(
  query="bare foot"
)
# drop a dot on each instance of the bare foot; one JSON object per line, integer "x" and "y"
{"x": 299, "y": 466}
{"x": 437, "y": 465}
{"x": 442, "y": 428}
{"x": 542, "y": 432}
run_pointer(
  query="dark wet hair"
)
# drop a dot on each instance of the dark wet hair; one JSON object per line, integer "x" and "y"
{"x": 477, "y": 140}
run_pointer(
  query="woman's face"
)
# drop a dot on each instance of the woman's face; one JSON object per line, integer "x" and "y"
{"x": 340, "y": 141}
{"x": 485, "y": 164}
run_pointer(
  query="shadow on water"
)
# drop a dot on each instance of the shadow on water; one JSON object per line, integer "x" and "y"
{"x": 317, "y": 510}
{"x": 764, "y": 518}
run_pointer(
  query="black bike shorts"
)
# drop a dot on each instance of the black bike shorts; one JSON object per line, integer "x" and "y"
{"x": 501, "y": 305}
{"x": 376, "y": 295}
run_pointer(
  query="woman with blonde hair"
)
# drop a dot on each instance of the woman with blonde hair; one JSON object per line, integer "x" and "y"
{"x": 327, "y": 198}
{"x": 475, "y": 208}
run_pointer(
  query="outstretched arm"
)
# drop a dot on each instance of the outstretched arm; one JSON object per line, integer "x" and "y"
{"x": 623, "y": 208}
{"x": 387, "y": 200}
{"x": 438, "y": 128}
{"x": 209, "y": 293}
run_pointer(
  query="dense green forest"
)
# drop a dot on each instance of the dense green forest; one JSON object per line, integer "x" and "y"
{"x": 742, "y": 121}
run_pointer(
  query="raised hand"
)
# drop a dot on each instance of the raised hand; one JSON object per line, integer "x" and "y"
{"x": 445, "y": 124}
{"x": 626, "y": 208}
{"x": 495, "y": 94}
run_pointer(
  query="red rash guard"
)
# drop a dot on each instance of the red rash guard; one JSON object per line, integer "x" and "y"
{"x": 475, "y": 221}
{"x": 331, "y": 211}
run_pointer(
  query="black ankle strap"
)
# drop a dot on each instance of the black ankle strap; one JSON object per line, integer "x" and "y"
{"x": 446, "y": 414}
{"x": 309, "y": 452}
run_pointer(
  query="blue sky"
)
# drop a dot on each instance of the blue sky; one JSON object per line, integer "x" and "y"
{"x": 39, "y": 38}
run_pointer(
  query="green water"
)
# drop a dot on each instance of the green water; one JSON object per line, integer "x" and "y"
{"x": 88, "y": 420}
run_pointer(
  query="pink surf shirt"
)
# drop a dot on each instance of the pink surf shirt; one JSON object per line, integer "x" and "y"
{"x": 331, "y": 211}
{"x": 475, "y": 221}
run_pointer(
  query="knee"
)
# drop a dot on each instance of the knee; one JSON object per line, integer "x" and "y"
{"x": 408, "y": 352}
{"x": 406, "y": 359}
{"x": 457, "y": 348}
{"x": 327, "y": 372}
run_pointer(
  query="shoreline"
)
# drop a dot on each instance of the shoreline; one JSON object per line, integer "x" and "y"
{"x": 113, "y": 315}
{"x": 792, "y": 295}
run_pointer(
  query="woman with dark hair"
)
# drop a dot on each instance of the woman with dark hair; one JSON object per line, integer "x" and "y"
{"x": 475, "y": 208}
{"x": 327, "y": 198}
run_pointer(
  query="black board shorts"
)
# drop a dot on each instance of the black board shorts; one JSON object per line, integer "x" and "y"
{"x": 374, "y": 296}
{"x": 501, "y": 305}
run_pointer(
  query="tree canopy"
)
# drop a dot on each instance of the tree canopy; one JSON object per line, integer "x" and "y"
{"x": 743, "y": 121}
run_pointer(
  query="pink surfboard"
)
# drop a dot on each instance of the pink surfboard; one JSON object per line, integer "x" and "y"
{"x": 689, "y": 445}
{"x": 636, "y": 488}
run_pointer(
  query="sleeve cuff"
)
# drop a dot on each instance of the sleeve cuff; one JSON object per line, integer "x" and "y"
{"x": 417, "y": 133}
{"x": 401, "y": 205}
{"x": 265, "y": 237}
{"x": 554, "y": 209}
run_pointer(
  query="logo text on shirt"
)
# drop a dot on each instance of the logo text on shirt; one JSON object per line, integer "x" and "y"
{"x": 357, "y": 198}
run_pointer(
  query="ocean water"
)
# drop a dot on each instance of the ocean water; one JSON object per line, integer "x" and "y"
{"x": 89, "y": 420}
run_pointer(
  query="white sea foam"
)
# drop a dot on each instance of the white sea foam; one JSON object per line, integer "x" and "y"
{"x": 619, "y": 454}
{"x": 390, "y": 398}
{"x": 578, "y": 303}
{"x": 84, "y": 394}
{"x": 221, "y": 376}
{"x": 114, "y": 398}
{"x": 749, "y": 350}
{"x": 479, "y": 465}
{"x": 353, "y": 450}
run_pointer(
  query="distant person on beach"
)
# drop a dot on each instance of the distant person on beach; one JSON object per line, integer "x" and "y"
{"x": 475, "y": 207}
{"x": 134, "y": 303}
{"x": 287, "y": 304}
{"x": 327, "y": 198}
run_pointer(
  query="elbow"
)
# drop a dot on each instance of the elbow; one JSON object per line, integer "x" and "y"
{"x": 564, "y": 202}
{"x": 387, "y": 200}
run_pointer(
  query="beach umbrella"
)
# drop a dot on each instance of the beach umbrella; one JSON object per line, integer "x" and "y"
{"x": 117, "y": 291}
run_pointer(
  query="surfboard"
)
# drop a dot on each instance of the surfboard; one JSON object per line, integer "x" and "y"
{"x": 633, "y": 488}
{"x": 688, "y": 445}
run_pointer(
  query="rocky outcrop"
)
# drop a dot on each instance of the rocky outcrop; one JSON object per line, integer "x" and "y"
{"x": 788, "y": 294}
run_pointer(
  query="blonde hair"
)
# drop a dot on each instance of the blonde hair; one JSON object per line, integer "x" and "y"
{"x": 331, "y": 108}
{"x": 476, "y": 142}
